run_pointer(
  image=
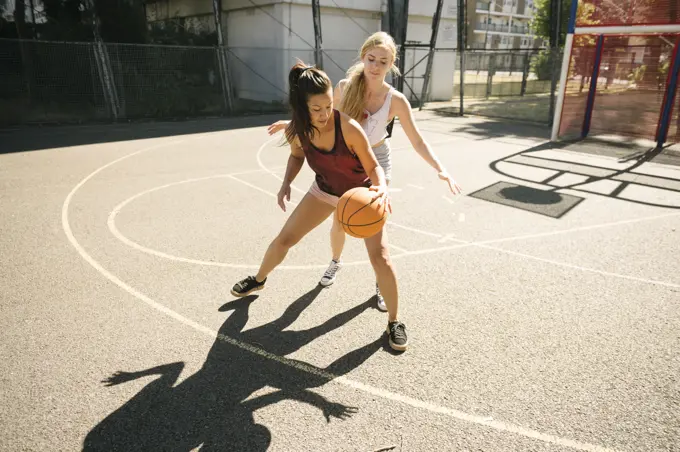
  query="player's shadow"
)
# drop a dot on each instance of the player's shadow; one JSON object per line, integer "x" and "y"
{"x": 213, "y": 408}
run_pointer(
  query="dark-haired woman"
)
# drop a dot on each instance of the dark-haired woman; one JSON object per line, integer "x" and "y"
{"x": 337, "y": 150}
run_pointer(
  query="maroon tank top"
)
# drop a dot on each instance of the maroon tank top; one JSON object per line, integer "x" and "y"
{"x": 337, "y": 170}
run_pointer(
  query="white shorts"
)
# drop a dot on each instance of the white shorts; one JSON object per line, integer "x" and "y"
{"x": 321, "y": 195}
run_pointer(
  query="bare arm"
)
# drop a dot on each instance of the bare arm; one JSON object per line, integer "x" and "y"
{"x": 277, "y": 126}
{"x": 356, "y": 139}
{"x": 403, "y": 111}
{"x": 422, "y": 147}
{"x": 295, "y": 162}
{"x": 337, "y": 93}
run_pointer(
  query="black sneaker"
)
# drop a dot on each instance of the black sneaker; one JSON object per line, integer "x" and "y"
{"x": 396, "y": 332}
{"x": 247, "y": 286}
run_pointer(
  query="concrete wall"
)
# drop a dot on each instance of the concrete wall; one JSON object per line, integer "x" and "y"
{"x": 441, "y": 81}
{"x": 164, "y": 9}
{"x": 263, "y": 48}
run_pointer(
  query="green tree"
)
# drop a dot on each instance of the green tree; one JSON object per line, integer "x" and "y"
{"x": 540, "y": 25}
{"x": 543, "y": 64}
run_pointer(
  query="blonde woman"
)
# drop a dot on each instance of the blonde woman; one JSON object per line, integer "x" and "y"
{"x": 366, "y": 97}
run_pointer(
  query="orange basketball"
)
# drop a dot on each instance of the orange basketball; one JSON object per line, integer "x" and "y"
{"x": 359, "y": 215}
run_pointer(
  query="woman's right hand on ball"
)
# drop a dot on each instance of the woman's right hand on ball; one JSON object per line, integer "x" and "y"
{"x": 284, "y": 192}
{"x": 278, "y": 125}
{"x": 381, "y": 196}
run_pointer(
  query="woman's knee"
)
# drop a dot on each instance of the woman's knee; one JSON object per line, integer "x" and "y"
{"x": 380, "y": 257}
{"x": 286, "y": 240}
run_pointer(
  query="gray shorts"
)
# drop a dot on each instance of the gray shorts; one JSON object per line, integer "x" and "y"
{"x": 384, "y": 155}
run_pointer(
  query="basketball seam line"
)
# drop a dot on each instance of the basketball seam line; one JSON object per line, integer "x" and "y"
{"x": 358, "y": 210}
{"x": 343, "y": 214}
{"x": 382, "y": 218}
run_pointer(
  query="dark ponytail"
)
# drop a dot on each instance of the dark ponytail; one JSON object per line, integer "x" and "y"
{"x": 304, "y": 81}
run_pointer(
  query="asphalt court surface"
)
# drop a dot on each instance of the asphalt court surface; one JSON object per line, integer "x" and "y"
{"x": 533, "y": 326}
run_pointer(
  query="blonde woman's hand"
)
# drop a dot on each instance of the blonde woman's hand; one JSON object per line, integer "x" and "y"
{"x": 277, "y": 126}
{"x": 453, "y": 186}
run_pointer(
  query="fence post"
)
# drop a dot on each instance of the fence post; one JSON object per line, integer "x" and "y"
{"x": 223, "y": 69}
{"x": 430, "y": 57}
{"x": 491, "y": 71}
{"x": 105, "y": 72}
{"x": 318, "y": 39}
{"x": 593, "y": 87}
{"x": 525, "y": 74}
{"x": 222, "y": 57}
{"x": 669, "y": 97}
{"x": 101, "y": 55}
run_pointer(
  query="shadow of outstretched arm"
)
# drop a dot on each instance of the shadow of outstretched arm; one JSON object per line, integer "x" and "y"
{"x": 329, "y": 409}
{"x": 297, "y": 386}
{"x": 169, "y": 374}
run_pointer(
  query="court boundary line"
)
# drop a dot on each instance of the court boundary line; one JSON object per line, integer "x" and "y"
{"x": 388, "y": 395}
{"x": 484, "y": 243}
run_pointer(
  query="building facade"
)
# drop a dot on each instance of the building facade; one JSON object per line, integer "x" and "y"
{"x": 501, "y": 24}
{"x": 266, "y": 36}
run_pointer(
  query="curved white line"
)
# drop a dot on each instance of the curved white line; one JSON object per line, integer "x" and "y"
{"x": 378, "y": 392}
{"x": 485, "y": 243}
{"x": 113, "y": 228}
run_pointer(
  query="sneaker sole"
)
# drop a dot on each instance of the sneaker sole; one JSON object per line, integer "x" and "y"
{"x": 328, "y": 283}
{"x": 381, "y": 307}
{"x": 245, "y": 294}
{"x": 394, "y": 346}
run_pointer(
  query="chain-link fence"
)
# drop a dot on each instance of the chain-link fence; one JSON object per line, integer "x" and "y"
{"x": 517, "y": 84}
{"x": 83, "y": 82}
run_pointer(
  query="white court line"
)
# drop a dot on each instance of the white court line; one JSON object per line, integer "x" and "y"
{"x": 403, "y": 253}
{"x": 579, "y": 267}
{"x": 581, "y": 228}
{"x": 417, "y": 187}
{"x": 398, "y": 248}
{"x": 113, "y": 228}
{"x": 378, "y": 392}
{"x": 449, "y": 238}
{"x": 419, "y": 231}
{"x": 482, "y": 244}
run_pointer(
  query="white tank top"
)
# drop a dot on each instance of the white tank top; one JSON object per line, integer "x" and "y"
{"x": 375, "y": 125}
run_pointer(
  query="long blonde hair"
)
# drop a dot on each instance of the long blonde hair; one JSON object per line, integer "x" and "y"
{"x": 353, "y": 100}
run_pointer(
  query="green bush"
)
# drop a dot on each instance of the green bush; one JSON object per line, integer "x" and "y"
{"x": 542, "y": 65}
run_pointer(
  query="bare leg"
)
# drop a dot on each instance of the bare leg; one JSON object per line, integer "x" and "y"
{"x": 337, "y": 239}
{"x": 379, "y": 254}
{"x": 309, "y": 214}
